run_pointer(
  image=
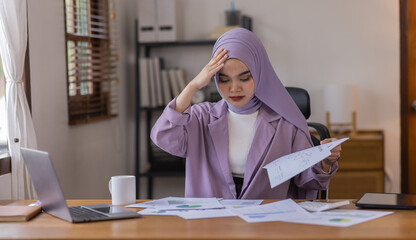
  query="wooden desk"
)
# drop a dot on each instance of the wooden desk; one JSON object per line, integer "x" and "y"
{"x": 399, "y": 225}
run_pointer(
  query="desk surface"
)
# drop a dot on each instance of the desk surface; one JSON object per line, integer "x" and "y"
{"x": 399, "y": 225}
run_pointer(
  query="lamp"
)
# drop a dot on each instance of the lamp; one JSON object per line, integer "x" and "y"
{"x": 341, "y": 104}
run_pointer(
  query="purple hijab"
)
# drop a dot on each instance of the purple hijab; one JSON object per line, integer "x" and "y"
{"x": 243, "y": 45}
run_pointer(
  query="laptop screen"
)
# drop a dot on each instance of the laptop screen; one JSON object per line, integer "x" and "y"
{"x": 387, "y": 200}
{"x": 46, "y": 183}
{"x": 50, "y": 194}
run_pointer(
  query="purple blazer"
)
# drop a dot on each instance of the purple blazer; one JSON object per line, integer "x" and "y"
{"x": 200, "y": 134}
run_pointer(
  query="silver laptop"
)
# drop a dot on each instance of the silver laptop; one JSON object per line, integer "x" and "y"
{"x": 52, "y": 200}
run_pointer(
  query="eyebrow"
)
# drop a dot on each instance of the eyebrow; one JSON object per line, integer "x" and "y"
{"x": 241, "y": 74}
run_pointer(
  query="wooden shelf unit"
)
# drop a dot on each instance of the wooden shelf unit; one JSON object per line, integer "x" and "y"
{"x": 175, "y": 166}
{"x": 361, "y": 166}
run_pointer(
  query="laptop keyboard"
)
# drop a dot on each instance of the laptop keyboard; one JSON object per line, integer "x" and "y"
{"x": 81, "y": 213}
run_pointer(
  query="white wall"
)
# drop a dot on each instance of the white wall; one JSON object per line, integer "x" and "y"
{"x": 310, "y": 43}
{"x": 85, "y": 156}
{"x": 313, "y": 43}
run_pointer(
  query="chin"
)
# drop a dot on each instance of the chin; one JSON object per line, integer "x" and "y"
{"x": 238, "y": 104}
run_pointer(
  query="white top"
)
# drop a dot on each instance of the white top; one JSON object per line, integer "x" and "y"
{"x": 240, "y": 135}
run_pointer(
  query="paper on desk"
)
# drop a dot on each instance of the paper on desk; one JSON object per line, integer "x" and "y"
{"x": 205, "y": 213}
{"x": 340, "y": 217}
{"x": 197, "y": 213}
{"x": 152, "y": 211}
{"x": 189, "y": 214}
{"x": 180, "y": 203}
{"x": 239, "y": 203}
{"x": 276, "y": 211}
{"x": 288, "y": 166}
{"x": 149, "y": 204}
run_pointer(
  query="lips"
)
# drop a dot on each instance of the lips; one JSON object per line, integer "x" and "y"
{"x": 237, "y": 98}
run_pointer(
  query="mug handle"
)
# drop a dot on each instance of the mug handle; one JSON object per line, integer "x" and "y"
{"x": 109, "y": 186}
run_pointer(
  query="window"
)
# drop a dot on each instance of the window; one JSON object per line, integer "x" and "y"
{"x": 3, "y": 119}
{"x": 92, "y": 60}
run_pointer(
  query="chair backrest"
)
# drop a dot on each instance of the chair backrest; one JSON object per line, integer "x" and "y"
{"x": 302, "y": 100}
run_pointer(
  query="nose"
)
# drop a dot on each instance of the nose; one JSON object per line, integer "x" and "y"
{"x": 235, "y": 85}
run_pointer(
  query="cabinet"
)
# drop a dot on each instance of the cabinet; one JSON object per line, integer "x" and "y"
{"x": 361, "y": 167}
{"x": 159, "y": 163}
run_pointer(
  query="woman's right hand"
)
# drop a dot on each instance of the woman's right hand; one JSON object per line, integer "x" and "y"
{"x": 213, "y": 66}
{"x": 183, "y": 101}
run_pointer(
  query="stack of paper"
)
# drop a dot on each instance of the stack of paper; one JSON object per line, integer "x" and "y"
{"x": 193, "y": 208}
{"x": 251, "y": 211}
{"x": 279, "y": 170}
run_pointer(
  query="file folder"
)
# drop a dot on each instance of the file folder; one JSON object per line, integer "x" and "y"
{"x": 147, "y": 20}
{"x": 167, "y": 29}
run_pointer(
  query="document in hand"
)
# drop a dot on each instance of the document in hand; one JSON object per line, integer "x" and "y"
{"x": 288, "y": 166}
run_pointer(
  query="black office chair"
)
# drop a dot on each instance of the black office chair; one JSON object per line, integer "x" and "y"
{"x": 302, "y": 100}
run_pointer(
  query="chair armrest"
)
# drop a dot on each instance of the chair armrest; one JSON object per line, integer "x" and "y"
{"x": 321, "y": 129}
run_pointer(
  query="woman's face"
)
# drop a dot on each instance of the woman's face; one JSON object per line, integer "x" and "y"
{"x": 235, "y": 83}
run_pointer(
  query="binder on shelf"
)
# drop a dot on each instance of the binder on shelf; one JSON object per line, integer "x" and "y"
{"x": 167, "y": 29}
{"x": 167, "y": 94}
{"x": 180, "y": 77}
{"x": 144, "y": 83}
{"x": 147, "y": 27}
{"x": 152, "y": 83}
{"x": 173, "y": 82}
{"x": 158, "y": 81}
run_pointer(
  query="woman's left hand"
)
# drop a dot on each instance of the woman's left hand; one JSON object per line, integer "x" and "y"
{"x": 335, "y": 155}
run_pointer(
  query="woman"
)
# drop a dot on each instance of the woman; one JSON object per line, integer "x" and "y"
{"x": 227, "y": 144}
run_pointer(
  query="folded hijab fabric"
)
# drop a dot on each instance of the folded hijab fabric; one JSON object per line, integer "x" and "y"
{"x": 243, "y": 45}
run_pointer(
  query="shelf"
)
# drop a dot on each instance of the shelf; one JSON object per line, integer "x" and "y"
{"x": 160, "y": 165}
{"x": 177, "y": 43}
{"x": 361, "y": 167}
{"x": 163, "y": 174}
{"x": 151, "y": 108}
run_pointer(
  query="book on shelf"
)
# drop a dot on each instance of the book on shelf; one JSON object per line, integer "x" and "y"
{"x": 167, "y": 94}
{"x": 158, "y": 80}
{"x": 144, "y": 83}
{"x": 158, "y": 86}
{"x": 152, "y": 83}
{"x": 18, "y": 213}
{"x": 180, "y": 77}
{"x": 174, "y": 83}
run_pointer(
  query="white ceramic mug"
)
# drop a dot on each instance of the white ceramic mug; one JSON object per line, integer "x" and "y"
{"x": 122, "y": 189}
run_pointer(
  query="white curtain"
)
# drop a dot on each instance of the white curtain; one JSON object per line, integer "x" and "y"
{"x": 21, "y": 133}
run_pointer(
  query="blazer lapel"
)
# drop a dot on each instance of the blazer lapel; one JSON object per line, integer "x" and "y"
{"x": 263, "y": 136}
{"x": 218, "y": 130}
